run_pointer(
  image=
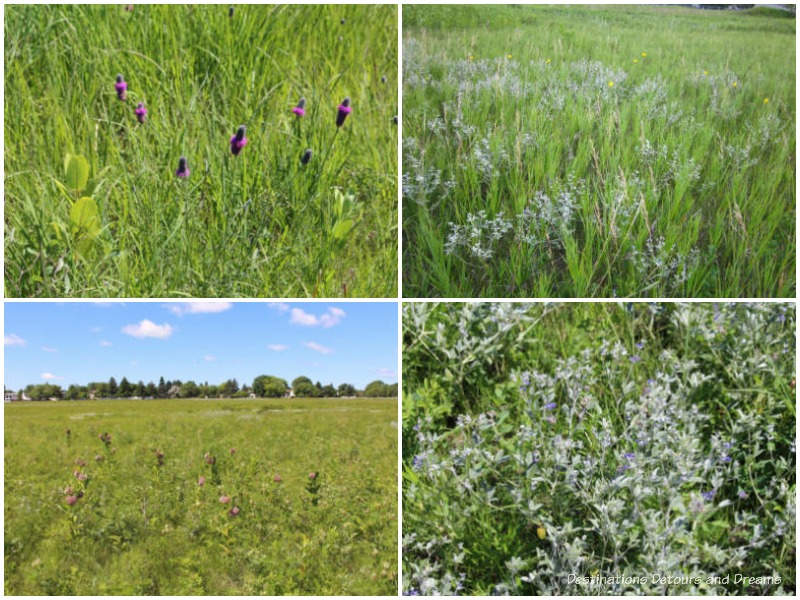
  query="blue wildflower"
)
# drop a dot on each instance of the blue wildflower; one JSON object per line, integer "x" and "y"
{"x": 709, "y": 495}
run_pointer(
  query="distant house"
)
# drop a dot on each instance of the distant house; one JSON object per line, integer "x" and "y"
{"x": 289, "y": 393}
{"x": 174, "y": 391}
{"x": 10, "y": 396}
{"x": 251, "y": 395}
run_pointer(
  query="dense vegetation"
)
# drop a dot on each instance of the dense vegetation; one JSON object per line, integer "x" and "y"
{"x": 208, "y": 497}
{"x": 98, "y": 201}
{"x": 599, "y": 151}
{"x": 570, "y": 449}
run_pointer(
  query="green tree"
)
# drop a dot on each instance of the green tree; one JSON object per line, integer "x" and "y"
{"x": 269, "y": 386}
{"x": 125, "y": 388}
{"x": 303, "y": 387}
{"x": 189, "y": 390}
{"x": 163, "y": 388}
{"x": 345, "y": 389}
{"x": 328, "y": 391}
{"x": 112, "y": 387}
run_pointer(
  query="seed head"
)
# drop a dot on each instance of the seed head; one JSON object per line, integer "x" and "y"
{"x": 277, "y": 479}
{"x": 71, "y": 500}
{"x": 141, "y": 112}
{"x": 121, "y": 87}
{"x": 238, "y": 141}
{"x": 312, "y": 475}
{"x": 344, "y": 109}
{"x": 234, "y": 511}
{"x": 306, "y": 156}
{"x": 183, "y": 171}
{"x": 224, "y": 499}
{"x": 230, "y": 11}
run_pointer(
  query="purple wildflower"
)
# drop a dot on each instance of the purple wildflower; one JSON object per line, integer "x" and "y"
{"x": 306, "y": 157}
{"x": 234, "y": 511}
{"x": 72, "y": 500}
{"x": 344, "y": 109}
{"x": 411, "y": 592}
{"x": 121, "y": 88}
{"x": 635, "y": 359}
{"x": 183, "y": 171}
{"x": 630, "y": 455}
{"x": 640, "y": 345}
{"x": 742, "y": 494}
{"x": 726, "y": 459}
{"x": 300, "y": 109}
{"x": 238, "y": 141}
{"x": 550, "y": 406}
{"x": 417, "y": 463}
{"x": 141, "y": 112}
{"x": 709, "y": 495}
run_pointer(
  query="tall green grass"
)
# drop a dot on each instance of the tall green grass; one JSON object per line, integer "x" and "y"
{"x": 141, "y": 528}
{"x": 257, "y": 224}
{"x": 598, "y": 151}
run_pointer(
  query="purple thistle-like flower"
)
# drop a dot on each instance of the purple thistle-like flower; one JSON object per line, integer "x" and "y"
{"x": 121, "y": 88}
{"x": 230, "y": 11}
{"x": 300, "y": 109}
{"x": 344, "y": 109}
{"x": 306, "y": 156}
{"x": 183, "y": 171}
{"x": 234, "y": 511}
{"x": 141, "y": 112}
{"x": 238, "y": 141}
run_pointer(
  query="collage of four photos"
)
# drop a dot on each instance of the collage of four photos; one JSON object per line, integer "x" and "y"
{"x": 399, "y": 299}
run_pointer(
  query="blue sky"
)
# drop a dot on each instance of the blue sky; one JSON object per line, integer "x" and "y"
{"x": 78, "y": 342}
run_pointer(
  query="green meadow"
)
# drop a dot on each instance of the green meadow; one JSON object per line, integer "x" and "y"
{"x": 147, "y": 512}
{"x": 577, "y": 151}
{"x": 93, "y": 206}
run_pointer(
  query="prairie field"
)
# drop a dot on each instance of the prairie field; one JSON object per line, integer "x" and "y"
{"x": 595, "y": 449}
{"x": 598, "y": 151}
{"x": 212, "y": 497}
{"x": 98, "y": 201}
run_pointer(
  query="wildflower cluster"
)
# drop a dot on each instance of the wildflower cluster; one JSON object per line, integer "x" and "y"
{"x": 672, "y": 453}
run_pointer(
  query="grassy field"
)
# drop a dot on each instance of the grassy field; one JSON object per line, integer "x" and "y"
{"x": 571, "y": 449}
{"x": 598, "y": 151}
{"x": 141, "y": 527}
{"x": 260, "y": 223}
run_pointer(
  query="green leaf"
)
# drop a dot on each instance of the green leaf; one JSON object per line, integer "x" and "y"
{"x": 85, "y": 222}
{"x": 342, "y": 228}
{"x": 77, "y": 172}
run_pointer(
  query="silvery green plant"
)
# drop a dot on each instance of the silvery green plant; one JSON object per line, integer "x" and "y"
{"x": 672, "y": 454}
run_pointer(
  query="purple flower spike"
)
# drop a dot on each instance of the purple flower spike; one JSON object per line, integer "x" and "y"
{"x": 344, "y": 110}
{"x": 141, "y": 112}
{"x": 238, "y": 141}
{"x": 121, "y": 88}
{"x": 300, "y": 109}
{"x": 183, "y": 170}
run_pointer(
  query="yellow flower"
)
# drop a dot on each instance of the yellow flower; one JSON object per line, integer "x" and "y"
{"x": 644, "y": 54}
{"x": 509, "y": 56}
{"x": 705, "y": 72}
{"x": 540, "y": 531}
{"x": 735, "y": 83}
{"x": 610, "y": 84}
{"x": 547, "y": 62}
{"x": 766, "y": 100}
{"x": 471, "y": 57}
{"x": 635, "y": 60}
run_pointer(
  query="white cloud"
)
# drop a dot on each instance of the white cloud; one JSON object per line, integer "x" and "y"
{"x": 49, "y": 349}
{"x": 148, "y": 329}
{"x": 197, "y": 308}
{"x": 280, "y": 306}
{"x": 386, "y": 372}
{"x": 300, "y": 317}
{"x": 318, "y": 347}
{"x": 50, "y": 376}
{"x": 277, "y": 347}
{"x": 105, "y": 343}
{"x": 12, "y": 339}
{"x": 329, "y": 319}
{"x": 96, "y": 329}
{"x": 209, "y": 358}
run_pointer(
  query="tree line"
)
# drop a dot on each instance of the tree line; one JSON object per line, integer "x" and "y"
{"x": 263, "y": 386}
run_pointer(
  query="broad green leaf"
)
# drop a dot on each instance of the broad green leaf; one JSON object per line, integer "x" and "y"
{"x": 85, "y": 223}
{"x": 77, "y": 172}
{"x": 342, "y": 228}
